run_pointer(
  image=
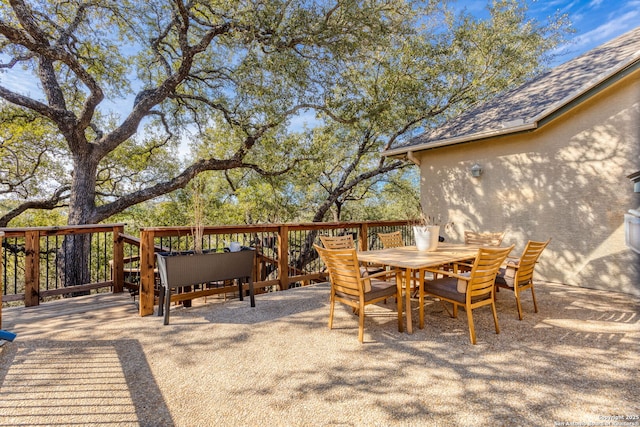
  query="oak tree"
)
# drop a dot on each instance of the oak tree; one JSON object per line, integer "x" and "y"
{"x": 119, "y": 82}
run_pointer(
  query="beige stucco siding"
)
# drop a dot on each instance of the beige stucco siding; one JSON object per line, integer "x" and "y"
{"x": 567, "y": 180}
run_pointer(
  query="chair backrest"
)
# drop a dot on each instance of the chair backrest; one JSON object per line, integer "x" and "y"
{"x": 344, "y": 270}
{"x": 483, "y": 239}
{"x": 528, "y": 260}
{"x": 338, "y": 242}
{"x": 391, "y": 240}
{"x": 484, "y": 270}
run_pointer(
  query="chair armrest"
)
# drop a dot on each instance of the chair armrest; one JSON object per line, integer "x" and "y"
{"x": 374, "y": 265}
{"x": 453, "y": 266}
{"x": 447, "y": 273}
{"x": 466, "y": 264}
{"x": 382, "y": 273}
{"x": 512, "y": 265}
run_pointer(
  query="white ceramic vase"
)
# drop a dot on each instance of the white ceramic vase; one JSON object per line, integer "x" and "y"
{"x": 426, "y": 237}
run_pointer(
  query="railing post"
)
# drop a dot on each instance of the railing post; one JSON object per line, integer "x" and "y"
{"x": 364, "y": 231}
{"x": 32, "y": 268}
{"x": 117, "y": 268}
{"x": 147, "y": 274}
{"x": 283, "y": 257}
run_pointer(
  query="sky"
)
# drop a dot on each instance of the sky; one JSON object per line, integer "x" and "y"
{"x": 595, "y": 21}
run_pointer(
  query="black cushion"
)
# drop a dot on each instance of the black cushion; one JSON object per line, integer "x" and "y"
{"x": 445, "y": 287}
{"x": 379, "y": 288}
{"x": 505, "y": 277}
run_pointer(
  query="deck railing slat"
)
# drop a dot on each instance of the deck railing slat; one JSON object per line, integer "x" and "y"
{"x": 30, "y": 271}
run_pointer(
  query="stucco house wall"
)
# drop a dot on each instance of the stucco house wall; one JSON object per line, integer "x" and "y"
{"x": 567, "y": 180}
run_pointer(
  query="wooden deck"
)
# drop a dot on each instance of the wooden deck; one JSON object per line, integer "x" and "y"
{"x": 94, "y": 361}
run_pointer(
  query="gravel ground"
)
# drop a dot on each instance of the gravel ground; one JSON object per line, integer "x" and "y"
{"x": 94, "y": 361}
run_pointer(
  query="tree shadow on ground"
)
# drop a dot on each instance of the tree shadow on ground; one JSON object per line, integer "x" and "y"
{"x": 80, "y": 382}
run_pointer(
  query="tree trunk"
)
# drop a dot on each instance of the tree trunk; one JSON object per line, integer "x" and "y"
{"x": 307, "y": 252}
{"x": 73, "y": 256}
{"x": 73, "y": 261}
{"x": 82, "y": 204}
{"x": 337, "y": 212}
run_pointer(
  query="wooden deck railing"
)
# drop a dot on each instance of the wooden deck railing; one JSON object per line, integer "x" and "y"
{"x": 31, "y": 267}
{"x": 284, "y": 250}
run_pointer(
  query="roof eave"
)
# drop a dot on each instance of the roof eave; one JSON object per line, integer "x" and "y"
{"x": 459, "y": 140}
{"x": 631, "y": 64}
{"x": 594, "y": 84}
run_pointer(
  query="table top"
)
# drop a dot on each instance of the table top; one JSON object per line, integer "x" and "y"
{"x": 411, "y": 257}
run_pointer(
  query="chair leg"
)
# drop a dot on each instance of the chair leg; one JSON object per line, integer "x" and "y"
{"x": 472, "y": 329}
{"x": 533, "y": 296}
{"x": 399, "y": 280}
{"x": 517, "y": 295}
{"x": 400, "y": 325}
{"x": 361, "y": 325}
{"x": 455, "y": 311}
{"x": 495, "y": 317}
{"x": 332, "y": 303}
{"x": 421, "y": 310}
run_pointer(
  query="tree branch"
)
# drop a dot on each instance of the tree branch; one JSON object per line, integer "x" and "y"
{"x": 55, "y": 201}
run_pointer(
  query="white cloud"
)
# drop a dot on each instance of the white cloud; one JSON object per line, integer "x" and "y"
{"x": 22, "y": 83}
{"x": 608, "y": 30}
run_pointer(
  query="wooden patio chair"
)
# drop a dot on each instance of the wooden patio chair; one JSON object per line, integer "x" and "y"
{"x": 394, "y": 240}
{"x": 475, "y": 238}
{"x": 346, "y": 242}
{"x": 338, "y": 242}
{"x": 484, "y": 238}
{"x": 517, "y": 275}
{"x": 473, "y": 290}
{"x": 391, "y": 240}
{"x": 356, "y": 290}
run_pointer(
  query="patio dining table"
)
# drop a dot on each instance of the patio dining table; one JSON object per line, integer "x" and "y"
{"x": 411, "y": 260}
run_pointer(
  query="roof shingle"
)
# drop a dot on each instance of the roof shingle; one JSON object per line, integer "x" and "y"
{"x": 522, "y": 108}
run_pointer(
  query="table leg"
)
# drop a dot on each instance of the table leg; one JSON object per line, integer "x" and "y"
{"x": 399, "y": 282}
{"x": 407, "y": 281}
{"x": 421, "y": 298}
{"x": 161, "y": 301}
{"x": 167, "y": 304}
{"x": 252, "y": 296}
